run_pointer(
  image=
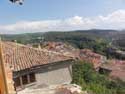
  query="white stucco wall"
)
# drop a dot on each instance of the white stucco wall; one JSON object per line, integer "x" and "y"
{"x": 56, "y": 74}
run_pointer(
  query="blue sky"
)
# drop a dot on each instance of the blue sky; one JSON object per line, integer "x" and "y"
{"x": 58, "y": 12}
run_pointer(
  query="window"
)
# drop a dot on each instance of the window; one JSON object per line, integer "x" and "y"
{"x": 32, "y": 77}
{"x": 17, "y": 82}
{"x": 24, "y": 79}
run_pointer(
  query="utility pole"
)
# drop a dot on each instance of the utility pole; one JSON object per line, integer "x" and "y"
{"x": 3, "y": 78}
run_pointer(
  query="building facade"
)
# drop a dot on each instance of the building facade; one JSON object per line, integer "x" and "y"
{"x": 35, "y": 68}
{"x": 43, "y": 76}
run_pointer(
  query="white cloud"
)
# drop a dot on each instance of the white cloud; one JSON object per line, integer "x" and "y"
{"x": 115, "y": 20}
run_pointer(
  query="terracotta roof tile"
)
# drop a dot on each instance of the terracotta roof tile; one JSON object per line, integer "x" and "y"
{"x": 21, "y": 57}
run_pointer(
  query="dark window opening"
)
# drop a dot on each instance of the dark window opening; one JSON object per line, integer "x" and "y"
{"x": 24, "y": 79}
{"x": 17, "y": 82}
{"x": 32, "y": 77}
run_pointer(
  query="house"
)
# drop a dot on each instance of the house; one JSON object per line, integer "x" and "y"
{"x": 32, "y": 67}
{"x": 63, "y": 48}
{"x": 80, "y": 54}
{"x": 115, "y": 69}
{"x": 96, "y": 59}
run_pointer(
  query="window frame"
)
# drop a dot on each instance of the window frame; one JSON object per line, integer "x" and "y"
{"x": 21, "y": 80}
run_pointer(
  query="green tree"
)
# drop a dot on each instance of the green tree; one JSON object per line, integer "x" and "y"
{"x": 85, "y": 76}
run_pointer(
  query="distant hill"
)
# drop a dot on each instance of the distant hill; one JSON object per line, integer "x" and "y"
{"x": 58, "y": 35}
{"x": 74, "y": 37}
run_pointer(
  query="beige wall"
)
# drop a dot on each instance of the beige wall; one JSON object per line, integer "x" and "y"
{"x": 9, "y": 81}
{"x": 56, "y": 74}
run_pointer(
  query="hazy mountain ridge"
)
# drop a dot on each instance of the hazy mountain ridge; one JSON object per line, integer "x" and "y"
{"x": 79, "y": 35}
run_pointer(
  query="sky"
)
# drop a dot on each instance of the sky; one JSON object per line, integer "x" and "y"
{"x": 61, "y": 15}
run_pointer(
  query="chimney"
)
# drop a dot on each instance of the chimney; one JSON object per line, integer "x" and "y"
{"x": 39, "y": 46}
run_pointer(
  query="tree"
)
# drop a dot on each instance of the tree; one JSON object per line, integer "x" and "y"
{"x": 85, "y": 76}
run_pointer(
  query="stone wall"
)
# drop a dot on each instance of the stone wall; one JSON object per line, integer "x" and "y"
{"x": 6, "y": 83}
{"x": 2, "y": 85}
{"x": 10, "y": 82}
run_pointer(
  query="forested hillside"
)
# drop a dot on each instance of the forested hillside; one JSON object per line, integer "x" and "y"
{"x": 94, "y": 39}
{"x": 82, "y": 35}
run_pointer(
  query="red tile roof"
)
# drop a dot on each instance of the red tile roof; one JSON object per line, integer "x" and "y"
{"x": 21, "y": 57}
{"x": 118, "y": 74}
{"x": 117, "y": 68}
{"x": 90, "y": 56}
{"x": 114, "y": 65}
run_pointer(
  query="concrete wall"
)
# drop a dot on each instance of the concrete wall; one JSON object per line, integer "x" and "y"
{"x": 54, "y": 74}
